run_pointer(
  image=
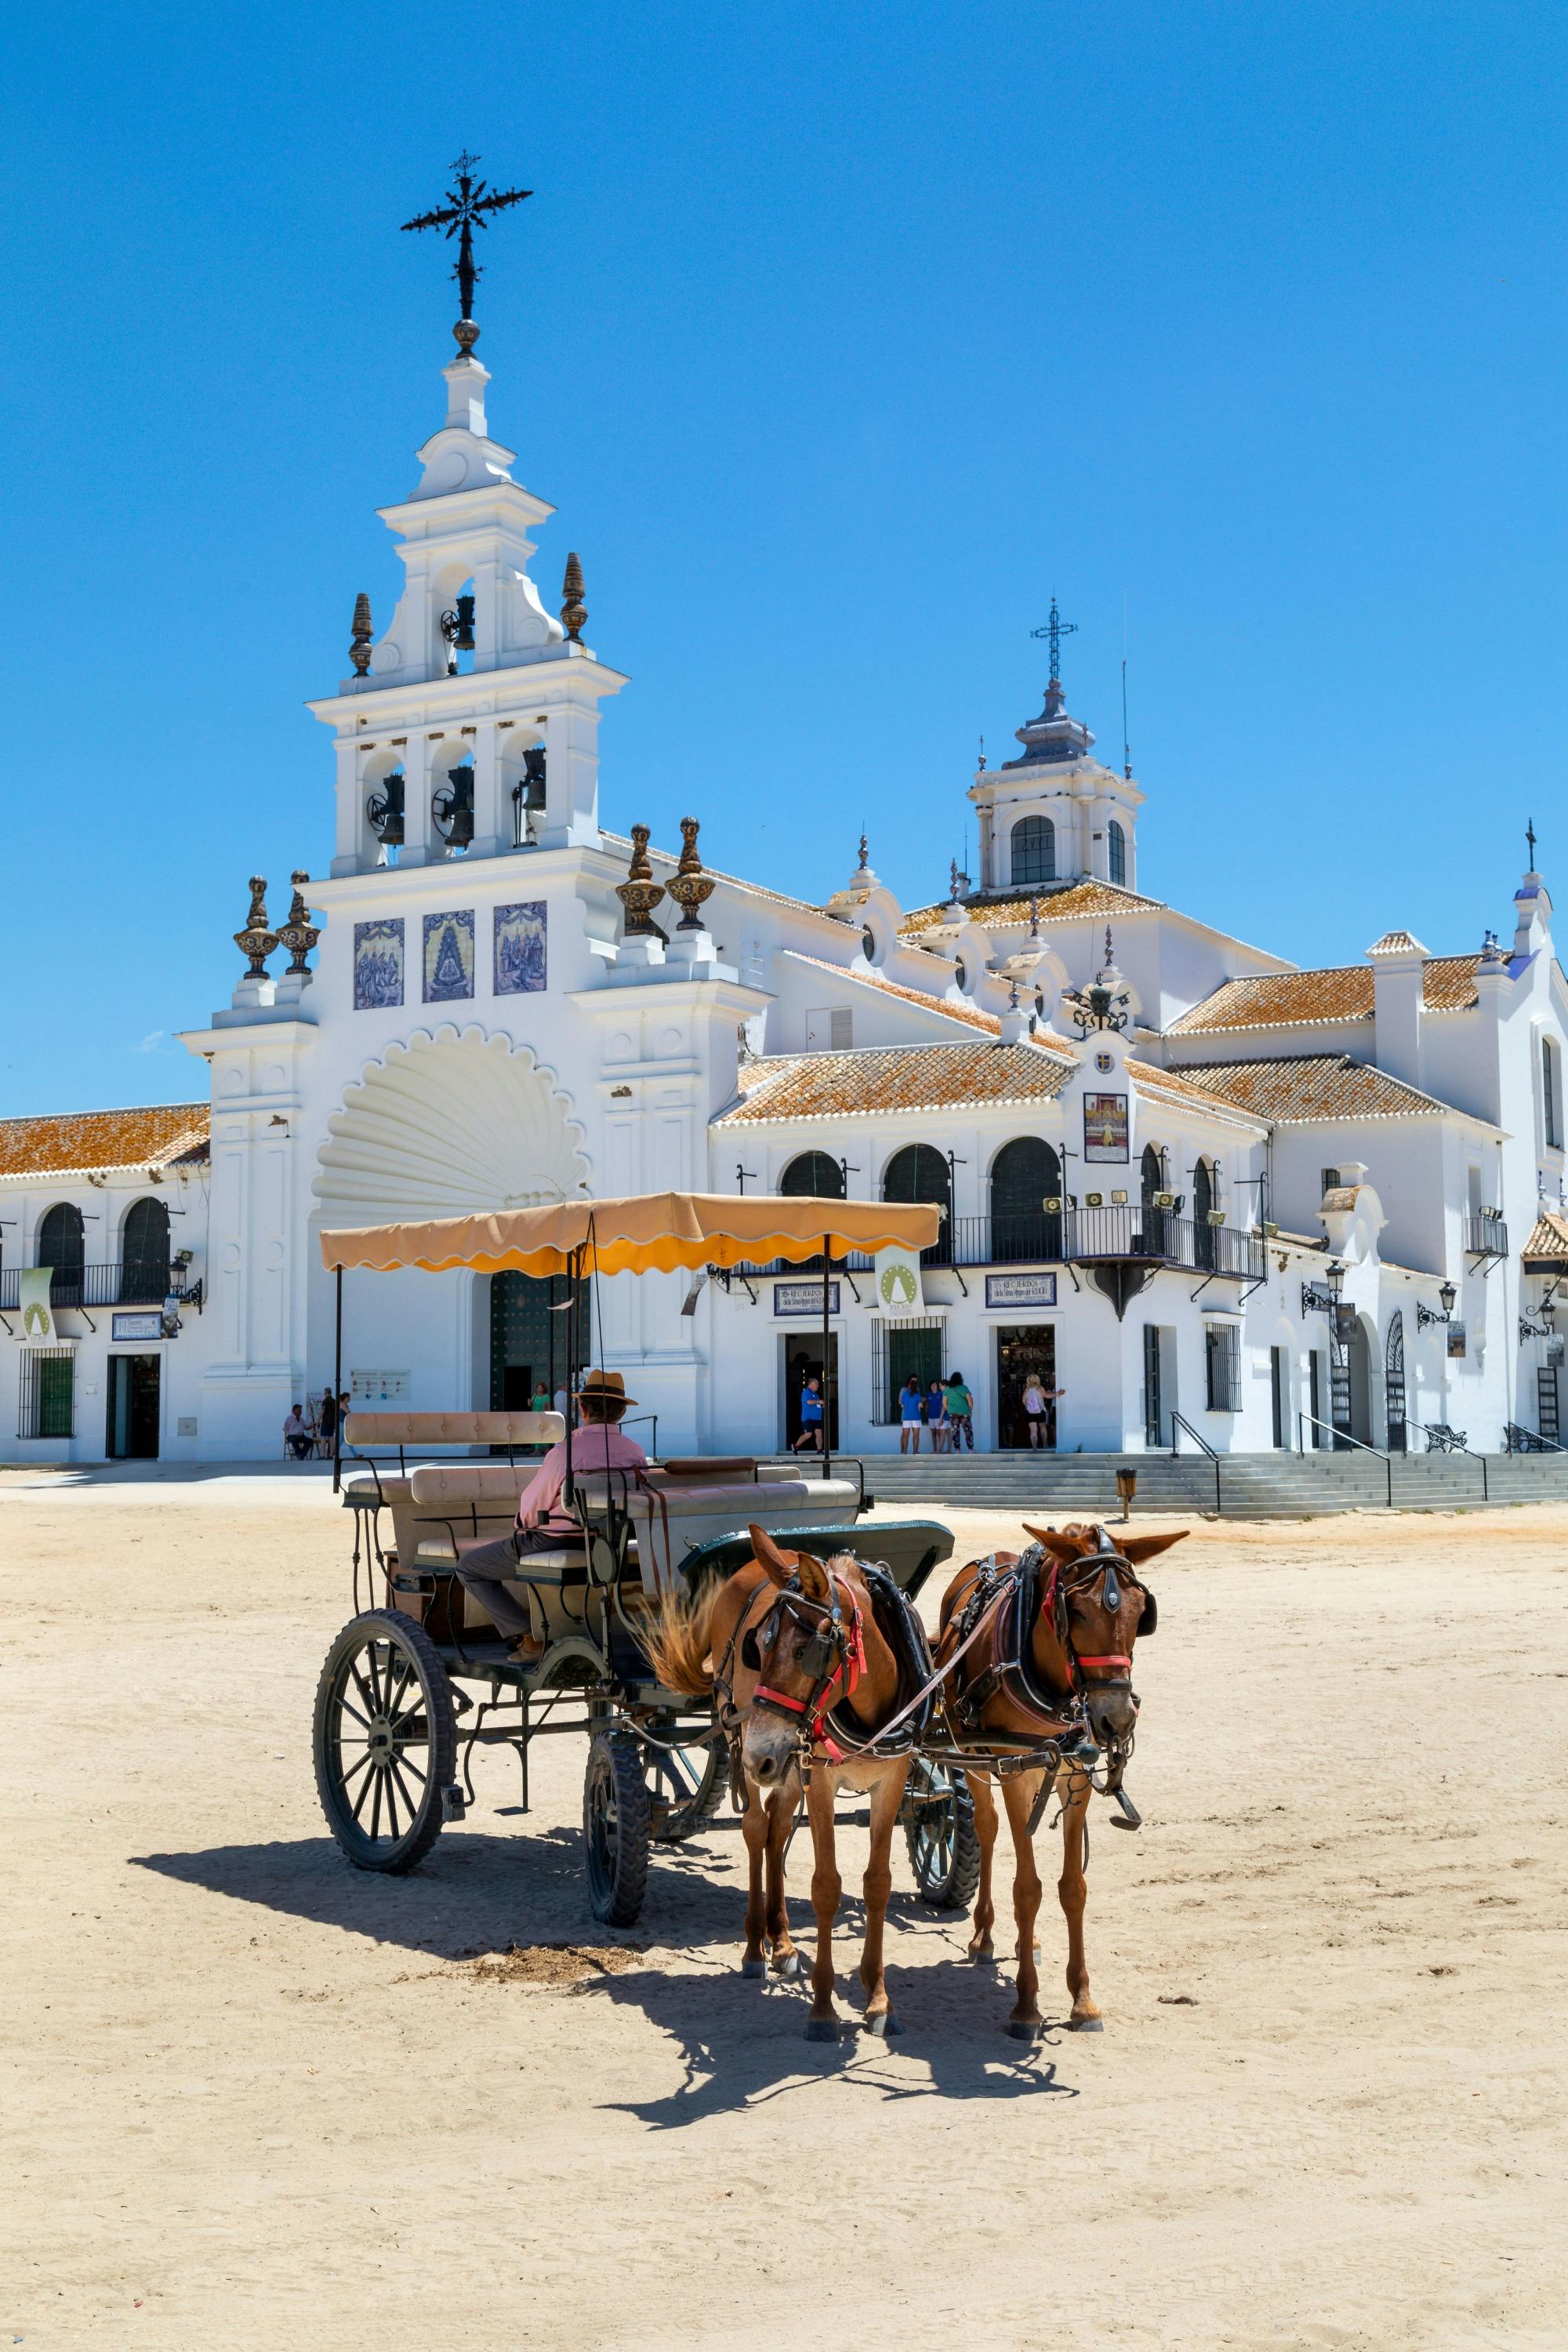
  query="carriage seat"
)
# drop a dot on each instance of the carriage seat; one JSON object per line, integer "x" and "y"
{"x": 364, "y": 1432}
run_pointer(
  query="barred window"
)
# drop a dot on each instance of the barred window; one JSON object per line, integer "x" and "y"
{"x": 1221, "y": 1367}
{"x": 46, "y": 1397}
{"x": 912, "y": 1344}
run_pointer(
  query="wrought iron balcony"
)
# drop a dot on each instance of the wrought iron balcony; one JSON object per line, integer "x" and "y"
{"x": 1485, "y": 1236}
{"x": 1081, "y": 1236}
{"x": 99, "y": 1285}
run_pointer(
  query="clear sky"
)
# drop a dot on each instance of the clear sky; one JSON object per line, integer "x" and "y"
{"x": 839, "y": 337}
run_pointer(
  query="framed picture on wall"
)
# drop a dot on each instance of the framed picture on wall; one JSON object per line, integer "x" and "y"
{"x": 1105, "y": 1127}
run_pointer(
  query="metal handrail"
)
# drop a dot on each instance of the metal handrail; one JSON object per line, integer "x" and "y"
{"x": 1178, "y": 1422}
{"x": 1343, "y": 1437}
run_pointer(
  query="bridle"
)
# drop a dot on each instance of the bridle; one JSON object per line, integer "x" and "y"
{"x": 1064, "y": 1584}
{"x": 834, "y": 1655}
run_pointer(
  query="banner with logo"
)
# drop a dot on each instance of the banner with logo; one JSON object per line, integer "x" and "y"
{"x": 900, "y": 1290}
{"x": 37, "y": 1316}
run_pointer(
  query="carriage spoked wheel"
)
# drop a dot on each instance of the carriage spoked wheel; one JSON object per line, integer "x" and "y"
{"x": 944, "y": 1844}
{"x": 615, "y": 1827}
{"x": 385, "y": 1741}
{"x": 686, "y": 1785}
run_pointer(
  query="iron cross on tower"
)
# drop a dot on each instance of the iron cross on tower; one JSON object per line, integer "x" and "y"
{"x": 460, "y": 216}
{"x": 1055, "y": 629}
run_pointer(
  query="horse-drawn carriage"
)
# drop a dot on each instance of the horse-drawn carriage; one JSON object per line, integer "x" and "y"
{"x": 418, "y": 1676}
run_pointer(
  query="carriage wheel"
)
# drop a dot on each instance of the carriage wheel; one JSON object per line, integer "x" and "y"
{"x": 615, "y": 1827}
{"x": 685, "y": 1787}
{"x": 944, "y": 1845}
{"x": 385, "y": 1741}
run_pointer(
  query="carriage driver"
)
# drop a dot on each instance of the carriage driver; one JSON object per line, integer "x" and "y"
{"x": 543, "y": 1524}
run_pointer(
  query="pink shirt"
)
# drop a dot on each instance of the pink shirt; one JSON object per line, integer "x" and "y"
{"x": 597, "y": 1445}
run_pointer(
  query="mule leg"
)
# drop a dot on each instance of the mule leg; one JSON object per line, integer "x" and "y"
{"x": 826, "y": 1888}
{"x": 887, "y": 1796}
{"x": 781, "y": 1816}
{"x": 754, "y": 1829}
{"x": 1072, "y": 1888}
{"x": 1018, "y": 1795}
{"x": 980, "y": 1944}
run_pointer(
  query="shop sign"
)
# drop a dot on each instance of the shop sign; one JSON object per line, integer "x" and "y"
{"x": 367, "y": 1389}
{"x": 1020, "y": 1290}
{"x": 803, "y": 1298}
{"x": 148, "y": 1326}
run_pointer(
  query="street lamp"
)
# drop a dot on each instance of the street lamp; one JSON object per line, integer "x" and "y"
{"x": 1424, "y": 1315}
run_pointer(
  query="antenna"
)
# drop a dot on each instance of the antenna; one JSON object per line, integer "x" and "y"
{"x": 1126, "y": 747}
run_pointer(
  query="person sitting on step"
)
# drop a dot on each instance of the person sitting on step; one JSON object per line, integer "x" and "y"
{"x": 543, "y": 1524}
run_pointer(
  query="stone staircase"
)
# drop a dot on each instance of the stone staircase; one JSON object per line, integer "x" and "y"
{"x": 1240, "y": 1485}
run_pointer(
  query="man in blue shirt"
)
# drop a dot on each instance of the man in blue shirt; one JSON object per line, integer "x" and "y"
{"x": 810, "y": 1418}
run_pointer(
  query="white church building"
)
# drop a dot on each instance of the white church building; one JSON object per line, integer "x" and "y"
{"x": 1205, "y": 1195}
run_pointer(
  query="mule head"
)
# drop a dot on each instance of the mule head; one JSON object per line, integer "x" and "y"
{"x": 1100, "y": 1607}
{"x": 787, "y": 1650}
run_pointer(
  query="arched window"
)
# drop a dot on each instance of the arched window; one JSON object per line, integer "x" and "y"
{"x": 812, "y": 1175}
{"x": 1118, "y": 841}
{"x": 1033, "y": 849}
{"x": 1205, "y": 1191}
{"x": 1150, "y": 1175}
{"x": 145, "y": 1255}
{"x": 1155, "y": 1225}
{"x": 1551, "y": 1094}
{"x": 919, "y": 1172}
{"x": 869, "y": 943}
{"x": 62, "y": 1244}
{"x": 1025, "y": 1174}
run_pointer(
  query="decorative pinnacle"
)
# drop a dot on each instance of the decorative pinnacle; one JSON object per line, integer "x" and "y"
{"x": 639, "y": 894}
{"x": 299, "y": 934}
{"x": 690, "y": 886}
{"x": 359, "y": 652}
{"x": 256, "y": 941}
{"x": 463, "y": 212}
{"x": 1033, "y": 918}
{"x": 574, "y": 612}
{"x": 952, "y": 881}
{"x": 1055, "y": 630}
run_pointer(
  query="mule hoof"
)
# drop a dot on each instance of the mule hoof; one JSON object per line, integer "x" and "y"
{"x": 1086, "y": 2025}
{"x": 753, "y": 1967}
{"x": 983, "y": 1955}
{"x": 822, "y": 2028}
{"x": 787, "y": 1969}
{"x": 1023, "y": 2029}
{"x": 883, "y": 2024}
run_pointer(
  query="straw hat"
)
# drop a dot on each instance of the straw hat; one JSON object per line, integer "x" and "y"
{"x": 605, "y": 1384}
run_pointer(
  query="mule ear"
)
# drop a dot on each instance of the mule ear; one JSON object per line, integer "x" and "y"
{"x": 813, "y": 1575}
{"x": 1137, "y": 1547}
{"x": 777, "y": 1566}
{"x": 1061, "y": 1543}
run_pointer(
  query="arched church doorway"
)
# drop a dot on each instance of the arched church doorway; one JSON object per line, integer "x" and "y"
{"x": 1394, "y": 1384}
{"x": 1359, "y": 1369}
{"x": 530, "y": 1339}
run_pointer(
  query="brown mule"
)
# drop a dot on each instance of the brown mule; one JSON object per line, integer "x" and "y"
{"x": 785, "y": 1641}
{"x": 1020, "y": 1683}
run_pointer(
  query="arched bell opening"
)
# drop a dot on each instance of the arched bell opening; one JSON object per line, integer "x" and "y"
{"x": 383, "y": 808}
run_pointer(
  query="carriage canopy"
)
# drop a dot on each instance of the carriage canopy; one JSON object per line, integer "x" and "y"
{"x": 647, "y": 1232}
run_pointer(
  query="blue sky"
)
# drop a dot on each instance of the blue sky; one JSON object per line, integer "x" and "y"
{"x": 839, "y": 338}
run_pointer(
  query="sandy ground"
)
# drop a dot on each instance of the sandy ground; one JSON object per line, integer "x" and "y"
{"x": 255, "y": 2099}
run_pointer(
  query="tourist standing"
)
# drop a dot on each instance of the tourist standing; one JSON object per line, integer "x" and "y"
{"x": 936, "y": 1417}
{"x": 327, "y": 1423}
{"x": 960, "y": 1413}
{"x": 1035, "y": 1410}
{"x": 912, "y": 1407}
{"x": 810, "y": 1418}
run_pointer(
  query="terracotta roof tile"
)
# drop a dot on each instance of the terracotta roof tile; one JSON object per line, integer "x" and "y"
{"x": 897, "y": 1077}
{"x": 72, "y": 1141}
{"x": 970, "y": 1014}
{"x": 1079, "y": 901}
{"x": 1300, "y": 1087}
{"x": 1180, "y": 1086}
{"x": 1285, "y": 1000}
{"x": 1548, "y": 1243}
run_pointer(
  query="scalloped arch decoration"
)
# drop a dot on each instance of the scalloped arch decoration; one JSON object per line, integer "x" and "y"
{"x": 451, "y": 1123}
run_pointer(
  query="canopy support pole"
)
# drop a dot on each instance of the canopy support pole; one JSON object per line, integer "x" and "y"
{"x": 574, "y": 1284}
{"x": 827, "y": 1381}
{"x": 338, "y": 1391}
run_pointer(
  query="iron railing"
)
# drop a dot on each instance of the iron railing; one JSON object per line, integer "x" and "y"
{"x": 1486, "y": 1237}
{"x": 1081, "y": 1236}
{"x": 136, "y": 1285}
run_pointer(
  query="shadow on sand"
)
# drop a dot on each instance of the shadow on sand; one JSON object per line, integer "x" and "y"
{"x": 742, "y": 2043}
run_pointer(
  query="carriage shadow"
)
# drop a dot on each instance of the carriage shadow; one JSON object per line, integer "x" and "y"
{"x": 742, "y": 2043}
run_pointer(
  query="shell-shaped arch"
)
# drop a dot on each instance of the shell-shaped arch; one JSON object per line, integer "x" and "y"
{"x": 450, "y": 1123}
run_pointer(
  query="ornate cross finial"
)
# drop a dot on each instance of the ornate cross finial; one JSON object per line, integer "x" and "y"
{"x": 362, "y": 634}
{"x": 464, "y": 212}
{"x": 865, "y": 845}
{"x": 1529, "y": 837}
{"x": 574, "y": 612}
{"x": 299, "y": 934}
{"x": 952, "y": 881}
{"x": 256, "y": 941}
{"x": 1034, "y": 917}
{"x": 1055, "y": 630}
{"x": 690, "y": 886}
{"x": 639, "y": 894}
{"x": 982, "y": 751}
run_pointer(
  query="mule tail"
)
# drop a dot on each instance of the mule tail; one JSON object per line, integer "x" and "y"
{"x": 679, "y": 1640}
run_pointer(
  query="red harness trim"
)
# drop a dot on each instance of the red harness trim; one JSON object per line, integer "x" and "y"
{"x": 848, "y": 1673}
{"x": 781, "y": 1698}
{"x": 1103, "y": 1662}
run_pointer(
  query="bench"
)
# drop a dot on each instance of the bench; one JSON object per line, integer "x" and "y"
{"x": 1442, "y": 1439}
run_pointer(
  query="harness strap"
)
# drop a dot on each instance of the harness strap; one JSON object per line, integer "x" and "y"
{"x": 1084, "y": 1660}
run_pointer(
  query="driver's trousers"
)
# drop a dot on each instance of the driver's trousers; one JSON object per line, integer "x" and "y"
{"x": 481, "y": 1570}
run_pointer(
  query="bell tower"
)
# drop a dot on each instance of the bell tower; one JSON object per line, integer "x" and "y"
{"x": 1055, "y": 815}
{"x": 469, "y": 727}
